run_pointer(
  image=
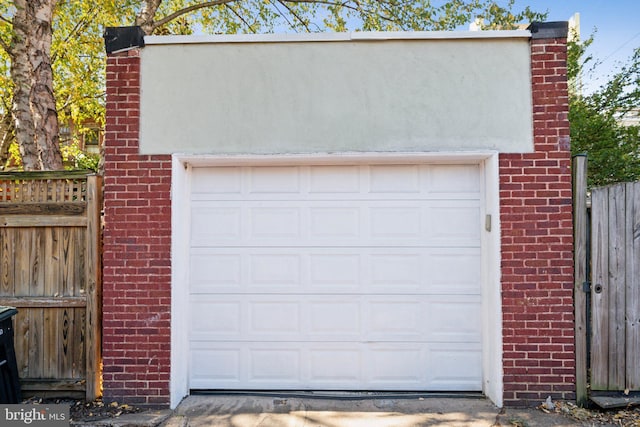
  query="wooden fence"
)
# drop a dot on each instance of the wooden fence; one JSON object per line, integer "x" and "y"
{"x": 50, "y": 270}
{"x": 615, "y": 284}
{"x": 607, "y": 286}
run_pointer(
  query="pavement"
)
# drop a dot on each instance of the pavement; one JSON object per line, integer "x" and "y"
{"x": 336, "y": 411}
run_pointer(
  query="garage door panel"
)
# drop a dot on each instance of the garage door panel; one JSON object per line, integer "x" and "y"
{"x": 343, "y": 277}
{"x": 216, "y": 182}
{"x": 328, "y": 318}
{"x": 336, "y": 366}
{"x": 459, "y": 367}
{"x": 405, "y": 223}
{"x": 273, "y": 180}
{"x": 454, "y": 179}
{"x": 340, "y": 182}
{"x": 454, "y": 319}
{"x": 280, "y": 269}
{"x": 335, "y": 270}
{"x": 344, "y": 195}
{"x": 212, "y": 318}
{"x": 395, "y": 179}
{"x": 397, "y": 271}
{"x": 318, "y": 223}
{"x": 221, "y": 365}
{"x": 275, "y": 318}
{"x": 282, "y": 365}
{"x": 335, "y": 222}
{"x": 212, "y": 271}
{"x": 401, "y": 318}
{"x": 390, "y": 366}
{"x": 215, "y": 224}
{"x": 457, "y": 224}
{"x": 334, "y": 180}
{"x": 446, "y": 275}
{"x": 308, "y": 318}
{"x": 277, "y": 223}
{"x": 332, "y": 272}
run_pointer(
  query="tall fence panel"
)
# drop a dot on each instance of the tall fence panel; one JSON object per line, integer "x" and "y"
{"x": 615, "y": 279}
{"x": 50, "y": 270}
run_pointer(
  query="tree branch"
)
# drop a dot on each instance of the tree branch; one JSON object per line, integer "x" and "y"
{"x": 5, "y": 46}
{"x": 3, "y": 43}
{"x": 345, "y": 4}
{"x": 295, "y": 15}
{"x": 80, "y": 25}
{"x": 275, "y": 6}
{"x": 240, "y": 17}
{"x": 188, "y": 9}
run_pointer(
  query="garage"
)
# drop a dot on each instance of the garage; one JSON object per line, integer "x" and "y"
{"x": 347, "y": 276}
{"x": 382, "y": 211}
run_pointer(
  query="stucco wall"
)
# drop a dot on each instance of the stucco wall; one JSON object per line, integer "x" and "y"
{"x": 284, "y": 95}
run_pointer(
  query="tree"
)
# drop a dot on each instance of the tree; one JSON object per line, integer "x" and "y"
{"x": 38, "y": 36}
{"x": 34, "y": 107}
{"x": 613, "y": 147}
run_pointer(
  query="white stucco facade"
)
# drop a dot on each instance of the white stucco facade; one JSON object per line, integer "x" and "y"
{"x": 360, "y": 92}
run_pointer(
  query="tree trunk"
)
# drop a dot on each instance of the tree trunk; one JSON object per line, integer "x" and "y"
{"x": 34, "y": 104}
{"x": 6, "y": 137}
{"x": 147, "y": 14}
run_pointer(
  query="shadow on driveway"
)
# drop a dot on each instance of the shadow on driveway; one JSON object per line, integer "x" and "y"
{"x": 379, "y": 411}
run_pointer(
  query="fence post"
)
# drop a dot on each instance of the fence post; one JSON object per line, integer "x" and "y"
{"x": 580, "y": 224}
{"x": 93, "y": 287}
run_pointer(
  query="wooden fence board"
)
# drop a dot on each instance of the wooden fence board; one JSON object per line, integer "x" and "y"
{"x": 79, "y": 352}
{"x": 50, "y": 343}
{"x": 21, "y": 341}
{"x": 61, "y": 208}
{"x": 66, "y": 342}
{"x": 36, "y": 349}
{"x": 50, "y": 231}
{"x": 42, "y": 221}
{"x": 7, "y": 270}
{"x": 616, "y": 288}
{"x": 39, "y": 267}
{"x": 633, "y": 286}
{"x": 93, "y": 285}
{"x": 580, "y": 227}
{"x": 600, "y": 300}
{"x": 22, "y": 262}
{"x": 43, "y": 302}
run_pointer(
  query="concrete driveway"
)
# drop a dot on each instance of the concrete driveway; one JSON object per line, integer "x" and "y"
{"x": 347, "y": 411}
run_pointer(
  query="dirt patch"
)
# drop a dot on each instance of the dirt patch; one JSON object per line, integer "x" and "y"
{"x": 81, "y": 410}
{"x": 626, "y": 417}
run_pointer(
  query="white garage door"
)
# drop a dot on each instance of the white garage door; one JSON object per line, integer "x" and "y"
{"x": 359, "y": 277}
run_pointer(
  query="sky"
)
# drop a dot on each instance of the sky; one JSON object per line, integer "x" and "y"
{"x": 617, "y": 23}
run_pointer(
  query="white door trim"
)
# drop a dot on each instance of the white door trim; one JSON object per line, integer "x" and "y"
{"x": 182, "y": 165}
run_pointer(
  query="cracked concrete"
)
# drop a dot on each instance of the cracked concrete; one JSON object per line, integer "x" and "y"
{"x": 282, "y": 411}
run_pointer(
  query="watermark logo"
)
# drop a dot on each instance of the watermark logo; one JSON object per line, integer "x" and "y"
{"x": 34, "y": 415}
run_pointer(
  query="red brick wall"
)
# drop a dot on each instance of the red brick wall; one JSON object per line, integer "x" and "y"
{"x": 137, "y": 249}
{"x": 537, "y": 273}
{"x": 537, "y": 243}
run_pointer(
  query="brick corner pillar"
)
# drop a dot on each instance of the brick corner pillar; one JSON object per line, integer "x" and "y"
{"x": 137, "y": 245}
{"x": 537, "y": 237}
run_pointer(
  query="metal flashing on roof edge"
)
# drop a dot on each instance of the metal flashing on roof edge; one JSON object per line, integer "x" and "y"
{"x": 549, "y": 30}
{"x": 119, "y": 39}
